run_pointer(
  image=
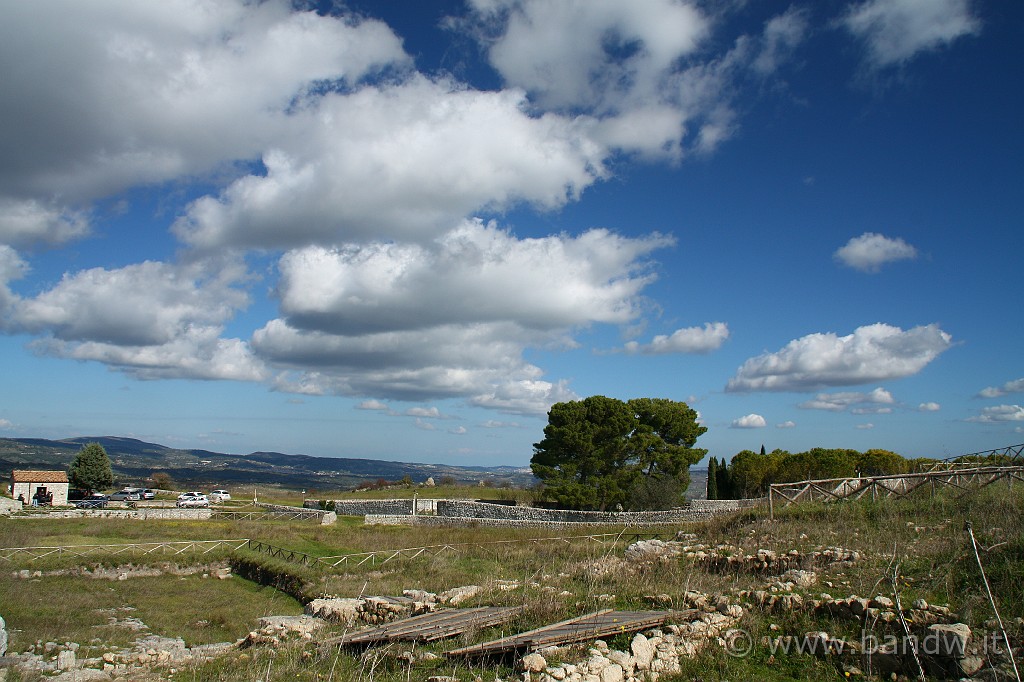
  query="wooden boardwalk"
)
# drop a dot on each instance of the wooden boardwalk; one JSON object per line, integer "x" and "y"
{"x": 429, "y": 627}
{"x": 581, "y": 629}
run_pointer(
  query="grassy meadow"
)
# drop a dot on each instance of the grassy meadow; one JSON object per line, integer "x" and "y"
{"x": 555, "y": 578}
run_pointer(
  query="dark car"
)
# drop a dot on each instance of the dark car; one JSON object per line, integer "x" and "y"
{"x": 94, "y": 501}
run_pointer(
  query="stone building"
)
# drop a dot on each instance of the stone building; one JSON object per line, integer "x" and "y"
{"x": 40, "y": 487}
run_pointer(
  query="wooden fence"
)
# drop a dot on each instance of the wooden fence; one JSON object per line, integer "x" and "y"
{"x": 897, "y": 485}
{"x": 1013, "y": 453}
{"x": 133, "y": 549}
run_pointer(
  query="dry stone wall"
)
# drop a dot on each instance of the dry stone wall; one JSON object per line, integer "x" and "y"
{"x": 364, "y": 507}
{"x": 444, "y": 513}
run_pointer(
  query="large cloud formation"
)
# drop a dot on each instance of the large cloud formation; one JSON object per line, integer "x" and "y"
{"x": 874, "y": 353}
{"x": 311, "y": 141}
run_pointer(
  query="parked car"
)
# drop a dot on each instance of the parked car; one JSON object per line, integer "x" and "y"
{"x": 148, "y": 494}
{"x": 219, "y": 496}
{"x": 76, "y": 494}
{"x": 126, "y": 495}
{"x": 194, "y": 501}
{"x": 191, "y": 493}
{"x": 94, "y": 501}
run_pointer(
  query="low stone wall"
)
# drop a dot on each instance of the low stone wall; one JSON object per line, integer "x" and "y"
{"x": 637, "y": 519}
{"x": 727, "y": 505}
{"x": 484, "y": 510}
{"x": 8, "y": 506}
{"x": 326, "y": 518}
{"x": 364, "y": 507}
{"x": 460, "y": 512}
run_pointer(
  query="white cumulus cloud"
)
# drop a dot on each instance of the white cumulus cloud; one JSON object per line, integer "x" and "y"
{"x": 750, "y": 421}
{"x": 1000, "y": 413}
{"x": 838, "y": 402}
{"x": 152, "y": 320}
{"x": 878, "y": 352}
{"x": 687, "y": 340}
{"x": 404, "y": 161}
{"x": 929, "y": 407}
{"x": 1015, "y": 386}
{"x": 590, "y": 69}
{"x": 870, "y": 251}
{"x": 104, "y": 96}
{"x": 895, "y": 31}
{"x": 29, "y": 221}
{"x": 788, "y": 424}
{"x": 474, "y": 274}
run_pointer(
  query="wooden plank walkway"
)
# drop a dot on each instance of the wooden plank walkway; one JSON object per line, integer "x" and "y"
{"x": 583, "y": 628}
{"x": 429, "y": 627}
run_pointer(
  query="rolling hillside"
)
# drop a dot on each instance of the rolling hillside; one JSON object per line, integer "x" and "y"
{"x": 134, "y": 460}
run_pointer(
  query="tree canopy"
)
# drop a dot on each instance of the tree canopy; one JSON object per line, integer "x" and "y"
{"x": 90, "y": 469}
{"x": 751, "y": 474}
{"x": 602, "y": 452}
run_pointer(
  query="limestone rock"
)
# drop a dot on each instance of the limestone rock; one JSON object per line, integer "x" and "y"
{"x": 66, "y": 660}
{"x": 612, "y": 673}
{"x": 343, "y": 610}
{"x": 642, "y": 650}
{"x": 533, "y": 663}
{"x": 653, "y": 550}
{"x": 457, "y": 595}
{"x": 950, "y": 640}
{"x": 300, "y": 625}
{"x": 803, "y": 579}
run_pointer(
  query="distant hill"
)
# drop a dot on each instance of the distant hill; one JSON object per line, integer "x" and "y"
{"x": 133, "y": 460}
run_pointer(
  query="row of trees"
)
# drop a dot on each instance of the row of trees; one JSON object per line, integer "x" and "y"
{"x": 750, "y": 473}
{"x": 602, "y": 453}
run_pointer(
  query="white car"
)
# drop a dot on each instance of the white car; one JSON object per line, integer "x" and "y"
{"x": 194, "y": 501}
{"x": 191, "y": 493}
{"x": 220, "y": 496}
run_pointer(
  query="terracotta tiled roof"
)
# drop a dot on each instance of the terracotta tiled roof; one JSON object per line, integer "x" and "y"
{"x": 23, "y": 476}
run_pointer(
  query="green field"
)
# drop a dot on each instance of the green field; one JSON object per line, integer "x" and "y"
{"x": 555, "y": 578}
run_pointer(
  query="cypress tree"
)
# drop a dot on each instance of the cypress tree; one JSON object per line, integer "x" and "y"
{"x": 724, "y": 483}
{"x": 712, "y": 479}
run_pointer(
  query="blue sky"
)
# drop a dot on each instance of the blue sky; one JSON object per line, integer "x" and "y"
{"x": 402, "y": 230}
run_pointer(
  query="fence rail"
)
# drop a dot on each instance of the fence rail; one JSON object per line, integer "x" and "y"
{"x": 896, "y": 485}
{"x": 1014, "y": 453}
{"x": 133, "y": 549}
